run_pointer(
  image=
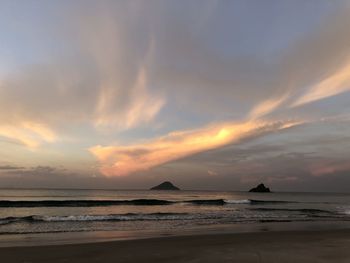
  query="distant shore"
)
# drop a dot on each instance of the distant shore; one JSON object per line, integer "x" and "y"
{"x": 274, "y": 246}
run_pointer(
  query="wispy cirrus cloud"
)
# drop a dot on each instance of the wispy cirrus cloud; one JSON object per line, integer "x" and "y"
{"x": 267, "y": 106}
{"x": 142, "y": 109}
{"x": 334, "y": 84}
{"x": 101, "y": 82}
{"x": 28, "y": 133}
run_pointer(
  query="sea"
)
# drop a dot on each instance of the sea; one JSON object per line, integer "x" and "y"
{"x": 132, "y": 213}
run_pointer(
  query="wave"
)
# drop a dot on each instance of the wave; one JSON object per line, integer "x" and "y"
{"x": 83, "y": 203}
{"x": 96, "y": 218}
{"x": 244, "y": 201}
{"x": 276, "y": 220}
{"x": 207, "y": 202}
{"x": 232, "y": 202}
{"x": 261, "y": 202}
{"x": 302, "y": 210}
{"x": 235, "y": 202}
{"x": 136, "y": 202}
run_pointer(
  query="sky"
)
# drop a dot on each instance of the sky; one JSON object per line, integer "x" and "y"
{"x": 216, "y": 95}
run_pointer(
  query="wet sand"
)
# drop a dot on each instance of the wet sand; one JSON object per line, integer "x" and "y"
{"x": 286, "y": 246}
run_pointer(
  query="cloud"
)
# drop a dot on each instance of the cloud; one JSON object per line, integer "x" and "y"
{"x": 10, "y": 167}
{"x": 28, "y": 133}
{"x": 122, "y": 160}
{"x": 317, "y": 66}
{"x": 212, "y": 173}
{"x": 101, "y": 80}
{"x": 143, "y": 108}
{"x": 155, "y": 84}
{"x": 39, "y": 170}
{"x": 329, "y": 167}
{"x": 338, "y": 82}
{"x": 115, "y": 67}
{"x": 267, "y": 107}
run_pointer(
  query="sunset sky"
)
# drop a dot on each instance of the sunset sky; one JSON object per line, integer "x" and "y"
{"x": 206, "y": 94}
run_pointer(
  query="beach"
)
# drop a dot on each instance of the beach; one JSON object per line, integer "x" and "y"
{"x": 274, "y": 246}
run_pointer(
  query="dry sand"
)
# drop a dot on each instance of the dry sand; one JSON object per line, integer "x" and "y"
{"x": 291, "y": 246}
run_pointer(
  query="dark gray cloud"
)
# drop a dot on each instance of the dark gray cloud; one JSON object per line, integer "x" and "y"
{"x": 10, "y": 167}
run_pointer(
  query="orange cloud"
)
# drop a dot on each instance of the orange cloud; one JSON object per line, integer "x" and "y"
{"x": 122, "y": 160}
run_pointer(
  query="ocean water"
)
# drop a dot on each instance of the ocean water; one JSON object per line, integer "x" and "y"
{"x": 52, "y": 211}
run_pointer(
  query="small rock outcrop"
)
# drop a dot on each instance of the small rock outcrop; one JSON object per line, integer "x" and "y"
{"x": 165, "y": 186}
{"x": 260, "y": 189}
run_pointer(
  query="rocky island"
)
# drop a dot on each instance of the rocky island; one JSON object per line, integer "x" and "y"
{"x": 165, "y": 186}
{"x": 260, "y": 189}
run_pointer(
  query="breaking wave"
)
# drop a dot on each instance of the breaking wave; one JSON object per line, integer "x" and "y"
{"x": 87, "y": 218}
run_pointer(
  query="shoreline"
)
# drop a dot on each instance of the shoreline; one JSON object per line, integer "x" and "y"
{"x": 270, "y": 246}
{"x": 87, "y": 237}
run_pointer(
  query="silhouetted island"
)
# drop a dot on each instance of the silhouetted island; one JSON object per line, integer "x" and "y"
{"x": 165, "y": 186}
{"x": 260, "y": 189}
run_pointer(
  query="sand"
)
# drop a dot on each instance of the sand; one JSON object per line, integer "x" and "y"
{"x": 286, "y": 246}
